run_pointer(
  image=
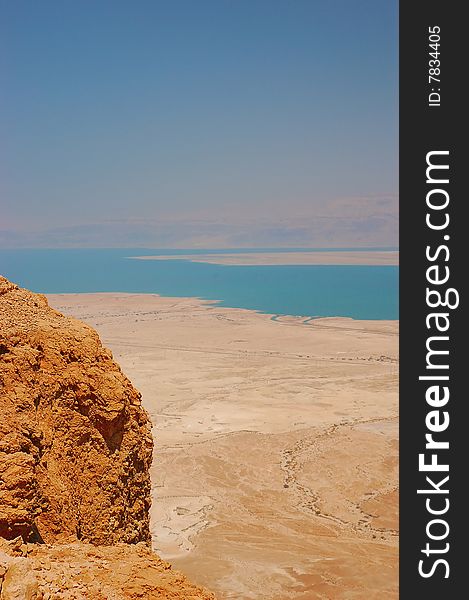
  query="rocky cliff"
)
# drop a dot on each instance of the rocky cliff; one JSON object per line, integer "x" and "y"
{"x": 75, "y": 452}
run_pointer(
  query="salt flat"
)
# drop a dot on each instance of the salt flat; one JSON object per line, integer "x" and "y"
{"x": 276, "y": 454}
{"x": 346, "y": 257}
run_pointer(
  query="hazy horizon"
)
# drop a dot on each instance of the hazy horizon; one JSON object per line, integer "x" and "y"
{"x": 260, "y": 123}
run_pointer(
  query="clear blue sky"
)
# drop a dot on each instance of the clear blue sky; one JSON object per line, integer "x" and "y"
{"x": 194, "y": 111}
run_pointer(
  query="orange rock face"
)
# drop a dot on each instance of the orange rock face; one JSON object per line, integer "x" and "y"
{"x": 75, "y": 452}
{"x": 75, "y": 442}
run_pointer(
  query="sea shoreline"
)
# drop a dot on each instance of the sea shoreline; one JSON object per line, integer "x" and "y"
{"x": 217, "y": 304}
{"x": 358, "y": 291}
{"x": 293, "y": 258}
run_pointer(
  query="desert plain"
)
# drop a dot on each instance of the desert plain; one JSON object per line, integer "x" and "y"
{"x": 336, "y": 257}
{"x": 276, "y": 443}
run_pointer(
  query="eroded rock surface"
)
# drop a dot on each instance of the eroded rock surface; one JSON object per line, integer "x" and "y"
{"x": 81, "y": 571}
{"x": 75, "y": 442}
{"x": 75, "y": 453}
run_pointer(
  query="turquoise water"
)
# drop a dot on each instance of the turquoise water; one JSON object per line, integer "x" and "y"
{"x": 361, "y": 292}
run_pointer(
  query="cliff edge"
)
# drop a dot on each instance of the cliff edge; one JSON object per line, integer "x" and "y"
{"x": 75, "y": 452}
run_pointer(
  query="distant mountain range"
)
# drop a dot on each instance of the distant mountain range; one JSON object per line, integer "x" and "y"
{"x": 353, "y": 222}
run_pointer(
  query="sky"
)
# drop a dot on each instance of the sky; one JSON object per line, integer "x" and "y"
{"x": 198, "y": 123}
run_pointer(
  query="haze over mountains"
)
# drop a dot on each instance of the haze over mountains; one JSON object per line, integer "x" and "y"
{"x": 347, "y": 222}
{"x": 198, "y": 124}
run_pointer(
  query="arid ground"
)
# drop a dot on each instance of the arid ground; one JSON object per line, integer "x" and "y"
{"x": 276, "y": 452}
{"x": 345, "y": 257}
